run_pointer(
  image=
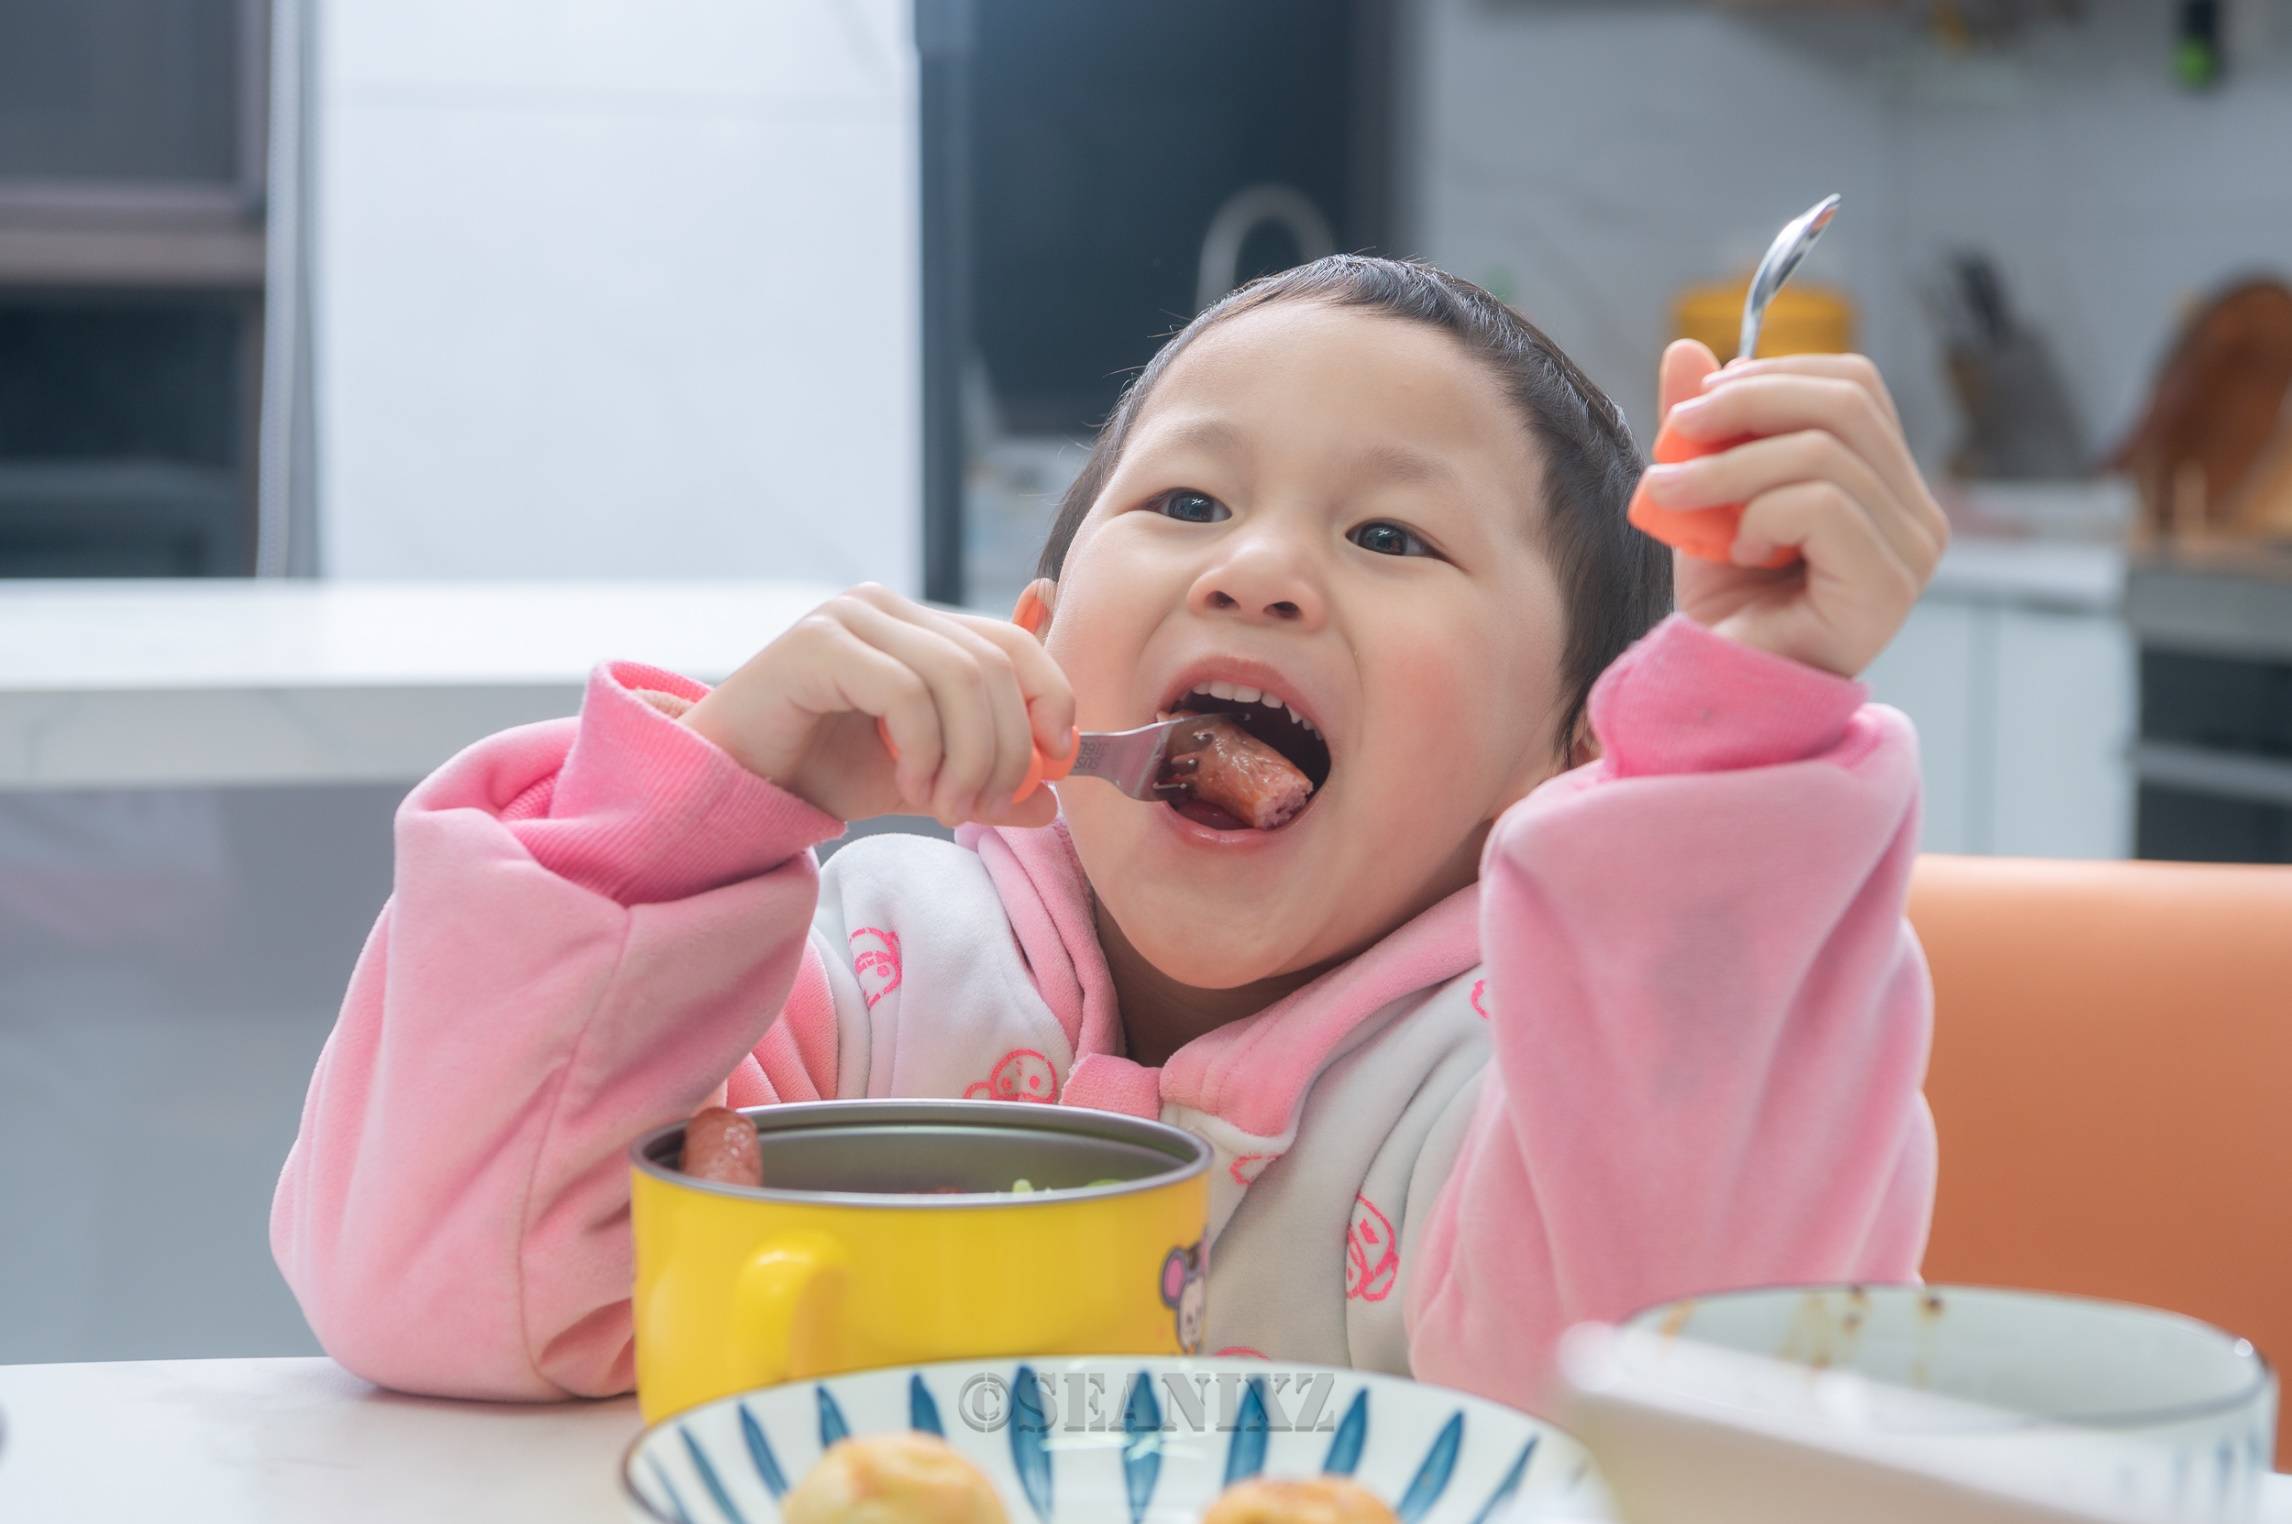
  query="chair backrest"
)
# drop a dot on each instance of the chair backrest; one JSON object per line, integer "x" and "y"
{"x": 2112, "y": 1084}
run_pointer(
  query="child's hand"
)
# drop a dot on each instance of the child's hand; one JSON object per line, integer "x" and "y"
{"x": 966, "y": 699}
{"x": 1828, "y": 473}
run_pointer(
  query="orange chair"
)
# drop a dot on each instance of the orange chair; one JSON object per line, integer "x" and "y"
{"x": 2112, "y": 1083}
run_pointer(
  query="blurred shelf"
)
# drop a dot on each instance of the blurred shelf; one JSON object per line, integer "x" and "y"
{"x": 203, "y": 258}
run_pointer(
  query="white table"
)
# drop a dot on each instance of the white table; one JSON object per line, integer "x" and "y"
{"x": 209, "y": 683}
{"x": 252, "y": 1441}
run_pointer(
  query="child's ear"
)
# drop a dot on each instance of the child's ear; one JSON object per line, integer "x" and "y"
{"x": 1032, "y": 613}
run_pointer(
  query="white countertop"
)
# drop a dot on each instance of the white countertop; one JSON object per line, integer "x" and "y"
{"x": 205, "y": 683}
{"x": 109, "y": 684}
{"x": 2063, "y": 575}
{"x": 255, "y": 1441}
{"x": 295, "y": 1441}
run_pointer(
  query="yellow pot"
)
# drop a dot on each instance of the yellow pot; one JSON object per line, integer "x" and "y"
{"x": 849, "y": 1259}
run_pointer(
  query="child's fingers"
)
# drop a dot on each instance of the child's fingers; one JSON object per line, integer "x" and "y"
{"x": 1781, "y": 403}
{"x": 1839, "y": 540}
{"x": 1765, "y": 465}
{"x": 1688, "y": 365}
{"x": 1014, "y": 733}
{"x": 1006, "y": 659}
{"x": 1858, "y": 369}
{"x": 873, "y": 682}
{"x": 1006, "y": 702}
{"x": 959, "y": 692}
{"x": 1049, "y": 696}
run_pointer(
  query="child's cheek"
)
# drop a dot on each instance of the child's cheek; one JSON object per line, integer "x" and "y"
{"x": 1434, "y": 698}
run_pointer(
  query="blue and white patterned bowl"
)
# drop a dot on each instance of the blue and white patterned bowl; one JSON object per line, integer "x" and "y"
{"x": 1110, "y": 1438}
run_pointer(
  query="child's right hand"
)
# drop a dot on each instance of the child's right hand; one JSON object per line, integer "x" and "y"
{"x": 966, "y": 700}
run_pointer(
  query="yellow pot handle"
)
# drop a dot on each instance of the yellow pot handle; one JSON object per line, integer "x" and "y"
{"x": 787, "y": 1309}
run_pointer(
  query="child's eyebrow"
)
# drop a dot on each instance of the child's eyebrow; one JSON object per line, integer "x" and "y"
{"x": 1398, "y": 465}
{"x": 1212, "y": 435}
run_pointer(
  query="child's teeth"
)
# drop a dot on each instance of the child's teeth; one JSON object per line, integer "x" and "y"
{"x": 1243, "y": 695}
{"x": 1220, "y": 691}
{"x": 1271, "y": 701}
{"x": 1302, "y": 720}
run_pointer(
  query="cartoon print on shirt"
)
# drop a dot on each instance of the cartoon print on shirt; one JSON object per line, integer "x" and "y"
{"x": 1479, "y": 988}
{"x": 875, "y": 960}
{"x": 1247, "y": 1167}
{"x": 1372, "y": 1259}
{"x": 1020, "y": 1075}
{"x": 1185, "y": 1291}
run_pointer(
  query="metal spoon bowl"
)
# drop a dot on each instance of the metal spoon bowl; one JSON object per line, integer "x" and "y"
{"x": 1783, "y": 256}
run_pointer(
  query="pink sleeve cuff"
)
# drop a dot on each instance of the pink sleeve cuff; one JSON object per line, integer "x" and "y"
{"x": 646, "y": 810}
{"x": 1686, "y": 700}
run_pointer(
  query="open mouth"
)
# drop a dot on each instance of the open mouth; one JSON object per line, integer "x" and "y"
{"x": 1256, "y": 763}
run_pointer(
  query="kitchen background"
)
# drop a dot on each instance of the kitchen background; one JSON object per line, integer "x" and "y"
{"x": 499, "y": 339}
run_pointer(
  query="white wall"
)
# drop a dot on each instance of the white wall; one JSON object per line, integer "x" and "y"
{"x": 608, "y": 288}
{"x": 1596, "y": 155}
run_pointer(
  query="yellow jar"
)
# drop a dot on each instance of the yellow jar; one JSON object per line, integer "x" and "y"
{"x": 1802, "y": 319}
{"x": 852, "y": 1257}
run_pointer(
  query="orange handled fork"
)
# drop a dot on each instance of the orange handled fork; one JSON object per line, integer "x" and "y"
{"x": 1131, "y": 760}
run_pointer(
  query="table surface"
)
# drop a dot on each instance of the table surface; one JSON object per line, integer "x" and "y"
{"x": 225, "y": 682}
{"x": 253, "y": 1441}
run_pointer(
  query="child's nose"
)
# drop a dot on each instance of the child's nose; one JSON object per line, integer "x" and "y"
{"x": 1262, "y": 583}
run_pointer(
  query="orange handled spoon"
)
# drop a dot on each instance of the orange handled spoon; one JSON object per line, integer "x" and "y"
{"x": 1709, "y": 533}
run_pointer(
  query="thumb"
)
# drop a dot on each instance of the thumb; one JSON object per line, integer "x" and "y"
{"x": 1685, "y": 364}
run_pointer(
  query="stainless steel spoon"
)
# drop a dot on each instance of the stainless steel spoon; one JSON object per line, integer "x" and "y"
{"x": 1783, "y": 256}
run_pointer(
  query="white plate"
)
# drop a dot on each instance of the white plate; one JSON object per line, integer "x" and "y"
{"x": 1102, "y": 1439}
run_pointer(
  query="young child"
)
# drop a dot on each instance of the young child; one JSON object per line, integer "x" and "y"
{"x": 1479, "y": 1058}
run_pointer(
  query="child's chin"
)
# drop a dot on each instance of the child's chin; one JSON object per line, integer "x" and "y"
{"x": 1198, "y": 957}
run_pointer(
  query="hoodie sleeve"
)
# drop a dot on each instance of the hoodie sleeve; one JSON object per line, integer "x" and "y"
{"x": 1710, "y": 1020}
{"x": 593, "y": 926}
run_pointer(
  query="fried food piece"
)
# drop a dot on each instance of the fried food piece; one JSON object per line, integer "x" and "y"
{"x": 721, "y": 1145}
{"x": 1312, "y": 1500}
{"x": 893, "y": 1479}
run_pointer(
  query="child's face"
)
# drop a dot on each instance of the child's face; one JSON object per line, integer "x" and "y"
{"x": 1248, "y": 533}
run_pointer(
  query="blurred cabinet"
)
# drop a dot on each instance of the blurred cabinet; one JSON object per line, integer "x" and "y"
{"x": 2026, "y": 713}
{"x": 132, "y": 143}
{"x": 2215, "y": 756}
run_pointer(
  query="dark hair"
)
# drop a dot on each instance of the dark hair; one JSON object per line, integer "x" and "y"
{"x": 1616, "y": 582}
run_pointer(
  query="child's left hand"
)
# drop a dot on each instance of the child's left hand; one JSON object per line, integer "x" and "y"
{"x": 1828, "y": 473}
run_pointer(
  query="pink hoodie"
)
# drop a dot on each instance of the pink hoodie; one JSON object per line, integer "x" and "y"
{"x": 1671, "y": 1042}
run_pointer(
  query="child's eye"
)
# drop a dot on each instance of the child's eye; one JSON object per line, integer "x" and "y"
{"x": 1191, "y": 507}
{"x": 1388, "y": 539}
